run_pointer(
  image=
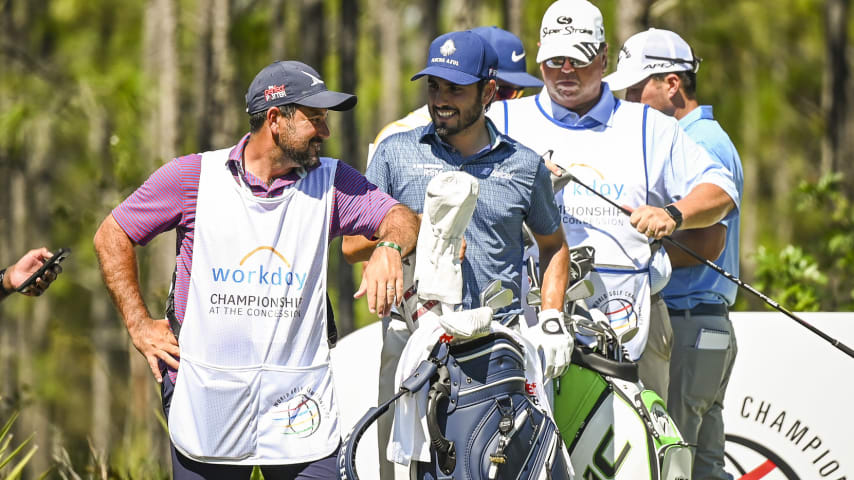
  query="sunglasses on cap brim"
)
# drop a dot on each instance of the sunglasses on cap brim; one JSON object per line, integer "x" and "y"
{"x": 558, "y": 62}
{"x": 695, "y": 62}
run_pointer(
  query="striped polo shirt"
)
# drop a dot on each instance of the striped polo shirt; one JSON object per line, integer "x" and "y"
{"x": 167, "y": 200}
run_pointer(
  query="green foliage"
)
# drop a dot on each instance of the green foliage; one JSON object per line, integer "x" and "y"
{"x": 818, "y": 274}
{"x": 12, "y": 463}
{"x": 791, "y": 276}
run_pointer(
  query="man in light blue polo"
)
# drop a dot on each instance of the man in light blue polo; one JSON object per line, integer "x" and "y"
{"x": 658, "y": 68}
{"x": 514, "y": 187}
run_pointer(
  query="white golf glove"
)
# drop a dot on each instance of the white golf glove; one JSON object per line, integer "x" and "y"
{"x": 551, "y": 337}
{"x": 467, "y": 324}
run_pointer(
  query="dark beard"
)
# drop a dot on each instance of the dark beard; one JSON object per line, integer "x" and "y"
{"x": 305, "y": 158}
{"x": 468, "y": 118}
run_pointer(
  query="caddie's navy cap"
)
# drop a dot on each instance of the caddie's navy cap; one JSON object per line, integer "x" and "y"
{"x": 460, "y": 57}
{"x": 290, "y": 81}
{"x": 511, "y": 56}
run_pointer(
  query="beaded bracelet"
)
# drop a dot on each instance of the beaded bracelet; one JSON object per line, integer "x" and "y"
{"x": 391, "y": 245}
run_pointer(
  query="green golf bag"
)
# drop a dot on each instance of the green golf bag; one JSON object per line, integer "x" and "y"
{"x": 612, "y": 427}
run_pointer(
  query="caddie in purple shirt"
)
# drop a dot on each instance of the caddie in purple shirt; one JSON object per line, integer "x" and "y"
{"x": 253, "y": 225}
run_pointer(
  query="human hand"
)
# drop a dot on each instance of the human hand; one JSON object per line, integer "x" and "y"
{"x": 18, "y": 273}
{"x": 155, "y": 341}
{"x": 653, "y": 222}
{"x": 551, "y": 337}
{"x": 382, "y": 280}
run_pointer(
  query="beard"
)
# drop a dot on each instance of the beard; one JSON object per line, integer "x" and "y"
{"x": 305, "y": 154}
{"x": 464, "y": 119}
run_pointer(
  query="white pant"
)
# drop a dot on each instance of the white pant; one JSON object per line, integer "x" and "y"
{"x": 395, "y": 336}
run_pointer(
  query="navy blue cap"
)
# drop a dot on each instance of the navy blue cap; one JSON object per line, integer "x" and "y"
{"x": 460, "y": 57}
{"x": 289, "y": 81}
{"x": 511, "y": 56}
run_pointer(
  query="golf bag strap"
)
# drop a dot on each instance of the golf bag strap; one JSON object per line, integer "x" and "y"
{"x": 347, "y": 456}
{"x": 626, "y": 370}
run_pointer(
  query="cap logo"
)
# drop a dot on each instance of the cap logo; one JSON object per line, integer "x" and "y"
{"x": 589, "y": 49}
{"x": 448, "y": 48}
{"x": 274, "y": 91}
{"x": 516, "y": 57}
{"x": 564, "y": 20}
{"x": 625, "y": 53}
{"x": 314, "y": 80}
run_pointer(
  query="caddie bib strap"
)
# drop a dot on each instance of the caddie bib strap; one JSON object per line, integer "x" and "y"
{"x": 255, "y": 386}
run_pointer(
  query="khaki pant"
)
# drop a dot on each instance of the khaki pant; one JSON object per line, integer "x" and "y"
{"x": 654, "y": 364}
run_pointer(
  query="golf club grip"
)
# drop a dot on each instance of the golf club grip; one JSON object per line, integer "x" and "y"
{"x": 731, "y": 277}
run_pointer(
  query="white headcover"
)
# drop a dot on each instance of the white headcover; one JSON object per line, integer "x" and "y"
{"x": 448, "y": 207}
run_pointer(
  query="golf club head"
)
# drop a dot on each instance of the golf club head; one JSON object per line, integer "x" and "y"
{"x": 578, "y": 291}
{"x": 559, "y": 182}
{"x": 491, "y": 289}
{"x": 600, "y": 319}
{"x": 533, "y": 298}
{"x": 587, "y": 327}
{"x": 580, "y": 262}
{"x": 628, "y": 334}
{"x": 500, "y": 299}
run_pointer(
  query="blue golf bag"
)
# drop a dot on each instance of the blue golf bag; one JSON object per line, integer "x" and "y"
{"x": 481, "y": 421}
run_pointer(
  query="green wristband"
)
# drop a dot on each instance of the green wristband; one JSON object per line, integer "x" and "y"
{"x": 391, "y": 245}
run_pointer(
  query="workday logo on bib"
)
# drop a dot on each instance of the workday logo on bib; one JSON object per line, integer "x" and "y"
{"x": 263, "y": 266}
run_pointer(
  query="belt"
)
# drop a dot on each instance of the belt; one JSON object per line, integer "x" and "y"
{"x": 714, "y": 309}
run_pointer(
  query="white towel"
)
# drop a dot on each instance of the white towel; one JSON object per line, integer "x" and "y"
{"x": 448, "y": 207}
{"x": 409, "y": 437}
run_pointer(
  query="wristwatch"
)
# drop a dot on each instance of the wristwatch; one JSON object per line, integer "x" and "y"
{"x": 675, "y": 214}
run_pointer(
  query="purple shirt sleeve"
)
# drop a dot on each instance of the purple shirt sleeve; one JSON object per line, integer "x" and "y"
{"x": 159, "y": 204}
{"x": 359, "y": 206}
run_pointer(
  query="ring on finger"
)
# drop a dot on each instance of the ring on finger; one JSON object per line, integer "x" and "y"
{"x": 389, "y": 287}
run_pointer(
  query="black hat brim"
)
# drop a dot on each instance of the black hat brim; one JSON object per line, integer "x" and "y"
{"x": 332, "y": 100}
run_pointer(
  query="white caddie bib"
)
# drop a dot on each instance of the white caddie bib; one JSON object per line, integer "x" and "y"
{"x": 255, "y": 386}
{"x": 611, "y": 160}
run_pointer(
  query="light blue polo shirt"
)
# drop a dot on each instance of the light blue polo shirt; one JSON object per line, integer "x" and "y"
{"x": 690, "y": 286}
{"x": 514, "y": 187}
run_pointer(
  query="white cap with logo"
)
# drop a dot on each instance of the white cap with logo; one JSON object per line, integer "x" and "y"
{"x": 650, "y": 52}
{"x": 571, "y": 28}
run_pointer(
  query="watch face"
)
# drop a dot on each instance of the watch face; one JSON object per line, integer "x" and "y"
{"x": 674, "y": 213}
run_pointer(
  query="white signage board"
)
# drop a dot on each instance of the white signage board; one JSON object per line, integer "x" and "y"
{"x": 788, "y": 408}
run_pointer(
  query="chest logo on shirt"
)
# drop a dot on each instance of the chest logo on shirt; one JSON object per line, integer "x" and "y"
{"x": 256, "y": 268}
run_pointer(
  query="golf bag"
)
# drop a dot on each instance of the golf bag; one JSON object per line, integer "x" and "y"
{"x": 612, "y": 427}
{"x": 481, "y": 421}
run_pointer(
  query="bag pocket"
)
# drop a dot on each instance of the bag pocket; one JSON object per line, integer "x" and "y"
{"x": 214, "y": 412}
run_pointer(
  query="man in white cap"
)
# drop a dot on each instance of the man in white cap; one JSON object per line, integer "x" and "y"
{"x": 634, "y": 156}
{"x": 658, "y": 68}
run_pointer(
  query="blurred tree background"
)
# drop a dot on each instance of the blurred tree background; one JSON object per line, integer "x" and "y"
{"x": 95, "y": 95}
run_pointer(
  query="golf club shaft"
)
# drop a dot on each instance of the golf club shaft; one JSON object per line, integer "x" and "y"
{"x": 836, "y": 343}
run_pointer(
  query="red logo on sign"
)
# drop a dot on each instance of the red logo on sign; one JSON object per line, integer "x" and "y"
{"x": 274, "y": 91}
